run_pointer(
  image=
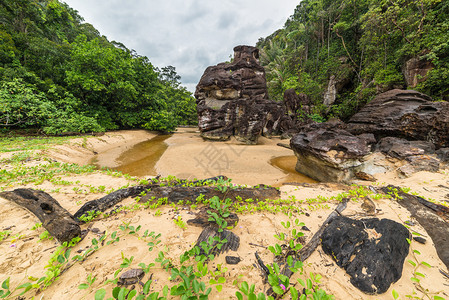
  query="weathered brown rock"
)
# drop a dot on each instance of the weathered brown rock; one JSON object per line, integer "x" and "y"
{"x": 415, "y": 71}
{"x": 402, "y": 148}
{"x": 232, "y": 99}
{"x": 417, "y": 163}
{"x": 294, "y": 102}
{"x": 404, "y": 113}
{"x": 326, "y": 152}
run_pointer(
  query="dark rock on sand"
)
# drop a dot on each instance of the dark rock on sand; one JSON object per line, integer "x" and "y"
{"x": 372, "y": 251}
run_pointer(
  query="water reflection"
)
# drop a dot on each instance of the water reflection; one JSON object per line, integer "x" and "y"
{"x": 287, "y": 165}
{"x": 142, "y": 158}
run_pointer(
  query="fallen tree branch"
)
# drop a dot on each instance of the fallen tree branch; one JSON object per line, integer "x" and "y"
{"x": 177, "y": 191}
{"x": 308, "y": 249}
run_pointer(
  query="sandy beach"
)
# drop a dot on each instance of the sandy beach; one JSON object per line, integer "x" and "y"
{"x": 24, "y": 254}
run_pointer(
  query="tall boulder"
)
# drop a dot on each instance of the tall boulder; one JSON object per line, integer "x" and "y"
{"x": 232, "y": 100}
{"x": 404, "y": 113}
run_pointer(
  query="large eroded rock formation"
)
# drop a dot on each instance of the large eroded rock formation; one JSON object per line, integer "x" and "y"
{"x": 404, "y": 113}
{"x": 232, "y": 99}
{"x": 402, "y": 124}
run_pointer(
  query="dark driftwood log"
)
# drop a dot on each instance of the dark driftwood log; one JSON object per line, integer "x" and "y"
{"x": 233, "y": 241}
{"x": 110, "y": 200}
{"x": 430, "y": 216}
{"x": 308, "y": 249}
{"x": 175, "y": 193}
{"x": 58, "y": 221}
{"x": 190, "y": 193}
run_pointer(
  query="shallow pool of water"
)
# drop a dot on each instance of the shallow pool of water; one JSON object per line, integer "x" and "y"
{"x": 287, "y": 165}
{"x": 141, "y": 159}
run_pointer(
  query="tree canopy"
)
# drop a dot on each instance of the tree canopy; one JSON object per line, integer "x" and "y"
{"x": 60, "y": 74}
{"x": 366, "y": 42}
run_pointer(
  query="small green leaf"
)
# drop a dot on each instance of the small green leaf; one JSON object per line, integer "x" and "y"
{"x": 395, "y": 294}
{"x": 100, "y": 294}
{"x": 412, "y": 262}
{"x": 5, "y": 283}
{"x": 146, "y": 287}
{"x": 83, "y": 286}
{"x": 131, "y": 295}
{"x": 414, "y": 279}
{"x": 278, "y": 290}
{"x": 420, "y": 274}
{"x": 261, "y": 296}
{"x": 309, "y": 284}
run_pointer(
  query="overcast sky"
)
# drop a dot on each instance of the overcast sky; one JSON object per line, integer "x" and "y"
{"x": 187, "y": 34}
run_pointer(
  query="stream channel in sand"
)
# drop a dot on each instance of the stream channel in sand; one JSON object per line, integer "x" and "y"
{"x": 147, "y": 158}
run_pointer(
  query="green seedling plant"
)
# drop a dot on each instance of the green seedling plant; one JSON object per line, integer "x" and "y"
{"x": 190, "y": 287}
{"x": 4, "y": 290}
{"x": 417, "y": 276}
{"x": 310, "y": 289}
{"x": 223, "y": 185}
{"x": 180, "y": 223}
{"x": 248, "y": 291}
{"x": 45, "y": 236}
{"x": 55, "y": 265}
{"x": 279, "y": 282}
{"x": 4, "y": 234}
{"x": 90, "y": 281}
{"x": 290, "y": 239}
{"x": 91, "y": 215}
{"x": 218, "y": 278}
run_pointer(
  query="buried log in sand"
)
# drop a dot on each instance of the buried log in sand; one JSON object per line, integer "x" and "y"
{"x": 177, "y": 191}
{"x": 56, "y": 219}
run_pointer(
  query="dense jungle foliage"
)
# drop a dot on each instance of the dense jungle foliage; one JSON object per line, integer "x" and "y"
{"x": 59, "y": 74}
{"x": 364, "y": 44}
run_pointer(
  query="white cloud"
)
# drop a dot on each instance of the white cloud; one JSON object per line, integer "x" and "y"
{"x": 188, "y": 34}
